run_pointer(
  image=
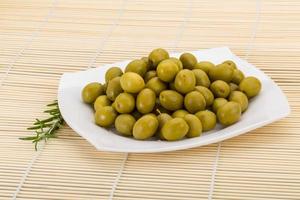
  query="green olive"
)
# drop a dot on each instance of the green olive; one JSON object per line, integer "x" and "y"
{"x": 148, "y": 63}
{"x": 175, "y": 129}
{"x": 204, "y": 65}
{"x": 124, "y": 124}
{"x": 167, "y": 70}
{"x": 112, "y": 73}
{"x": 149, "y": 75}
{"x": 171, "y": 100}
{"x": 221, "y": 72}
{"x": 156, "y": 85}
{"x": 185, "y": 81}
{"x": 188, "y": 60}
{"x": 194, "y": 102}
{"x": 145, "y": 127}
{"x": 101, "y": 101}
{"x": 220, "y": 88}
{"x": 201, "y": 78}
{"x": 207, "y": 94}
{"x": 251, "y": 86}
{"x": 105, "y": 116}
{"x": 138, "y": 66}
{"x": 124, "y": 103}
{"x": 91, "y": 91}
{"x": 229, "y": 113}
{"x": 240, "y": 98}
{"x": 132, "y": 82}
{"x": 114, "y": 88}
{"x": 145, "y": 101}
{"x": 178, "y": 63}
{"x": 237, "y": 76}
{"x": 180, "y": 113}
{"x": 158, "y": 55}
{"x": 195, "y": 126}
{"x": 230, "y": 63}
{"x": 233, "y": 87}
{"x": 208, "y": 119}
{"x": 162, "y": 119}
{"x": 218, "y": 102}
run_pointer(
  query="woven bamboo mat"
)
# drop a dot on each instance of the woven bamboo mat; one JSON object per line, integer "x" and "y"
{"x": 39, "y": 40}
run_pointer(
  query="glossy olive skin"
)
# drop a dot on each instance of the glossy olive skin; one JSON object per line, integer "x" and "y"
{"x": 162, "y": 119}
{"x": 233, "y": 87}
{"x": 124, "y": 103}
{"x": 208, "y": 119}
{"x": 220, "y": 88}
{"x": 114, "y": 88}
{"x": 145, "y": 101}
{"x": 112, "y": 73}
{"x": 101, "y": 101}
{"x": 195, "y": 126}
{"x": 175, "y": 129}
{"x": 251, "y": 86}
{"x": 138, "y": 66}
{"x": 158, "y": 55}
{"x": 240, "y": 98}
{"x": 185, "y": 81}
{"x": 218, "y": 102}
{"x": 221, "y": 72}
{"x": 178, "y": 63}
{"x": 132, "y": 82}
{"x": 156, "y": 85}
{"x": 171, "y": 100}
{"x": 145, "y": 127}
{"x": 204, "y": 65}
{"x": 167, "y": 70}
{"x": 105, "y": 116}
{"x": 207, "y": 94}
{"x": 124, "y": 124}
{"x": 230, "y": 63}
{"x": 180, "y": 113}
{"x": 148, "y": 63}
{"x": 149, "y": 75}
{"x": 188, "y": 60}
{"x": 194, "y": 101}
{"x": 91, "y": 91}
{"x": 229, "y": 113}
{"x": 201, "y": 78}
{"x": 237, "y": 76}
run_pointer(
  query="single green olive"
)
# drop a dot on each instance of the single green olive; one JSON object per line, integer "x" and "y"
{"x": 178, "y": 63}
{"x": 156, "y": 85}
{"x": 105, "y": 116}
{"x": 158, "y": 55}
{"x": 124, "y": 103}
{"x": 138, "y": 66}
{"x": 124, "y": 124}
{"x": 220, "y": 88}
{"x": 167, "y": 70}
{"x": 91, "y": 91}
{"x": 145, "y": 101}
{"x": 204, "y": 65}
{"x": 149, "y": 75}
{"x": 251, "y": 86}
{"x": 180, "y": 113}
{"x": 195, "y": 126}
{"x": 188, "y": 60}
{"x": 229, "y": 113}
{"x": 171, "y": 100}
{"x": 240, "y": 98}
{"x": 207, "y": 94}
{"x": 201, "y": 78}
{"x": 101, "y": 101}
{"x": 218, "y": 102}
{"x": 114, "y": 88}
{"x": 175, "y": 129}
{"x": 233, "y": 87}
{"x": 112, "y": 73}
{"x": 230, "y": 63}
{"x": 132, "y": 82}
{"x": 145, "y": 127}
{"x": 185, "y": 81}
{"x": 194, "y": 102}
{"x": 208, "y": 119}
{"x": 221, "y": 72}
{"x": 237, "y": 76}
{"x": 162, "y": 119}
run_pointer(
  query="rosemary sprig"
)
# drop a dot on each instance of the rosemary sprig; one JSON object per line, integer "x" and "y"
{"x": 46, "y": 128}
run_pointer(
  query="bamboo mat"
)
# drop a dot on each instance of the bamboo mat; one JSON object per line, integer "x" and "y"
{"x": 39, "y": 40}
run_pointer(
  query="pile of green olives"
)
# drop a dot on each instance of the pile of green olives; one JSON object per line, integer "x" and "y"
{"x": 170, "y": 98}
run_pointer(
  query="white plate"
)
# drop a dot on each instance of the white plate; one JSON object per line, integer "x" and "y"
{"x": 269, "y": 106}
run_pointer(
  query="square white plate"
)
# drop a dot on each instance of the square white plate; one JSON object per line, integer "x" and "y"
{"x": 269, "y": 106}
